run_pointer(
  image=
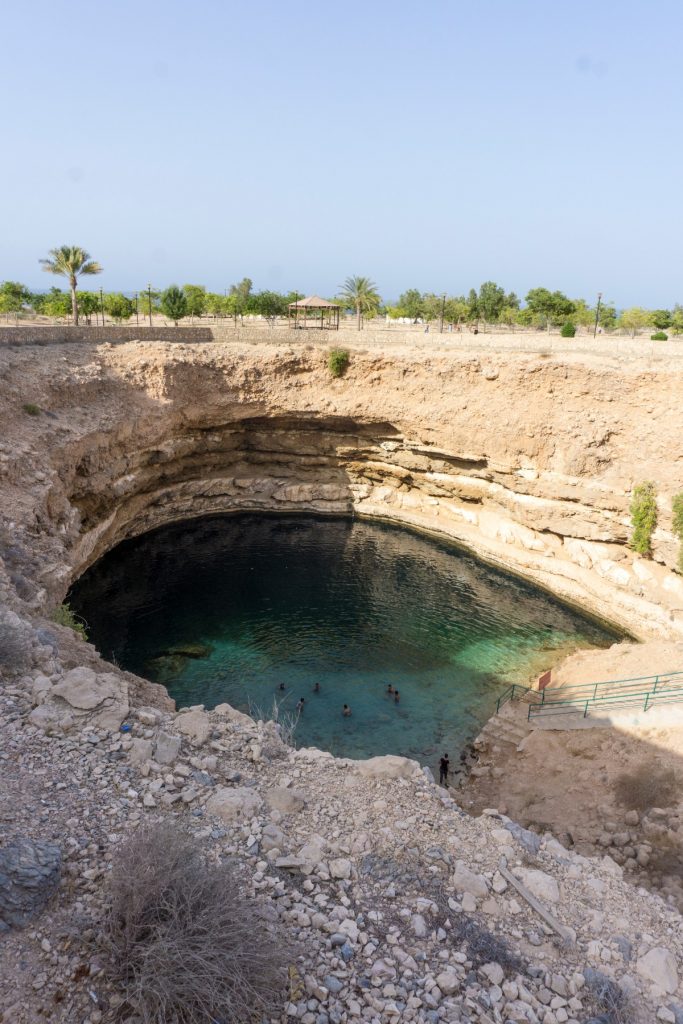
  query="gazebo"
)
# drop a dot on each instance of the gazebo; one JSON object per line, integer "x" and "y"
{"x": 323, "y": 313}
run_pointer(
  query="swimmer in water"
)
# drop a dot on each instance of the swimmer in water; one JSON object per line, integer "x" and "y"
{"x": 390, "y": 688}
{"x": 300, "y": 705}
{"x": 281, "y": 686}
{"x": 396, "y": 697}
{"x": 346, "y": 711}
{"x": 316, "y": 688}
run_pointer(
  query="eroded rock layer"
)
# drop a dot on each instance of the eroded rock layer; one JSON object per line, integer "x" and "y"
{"x": 527, "y": 461}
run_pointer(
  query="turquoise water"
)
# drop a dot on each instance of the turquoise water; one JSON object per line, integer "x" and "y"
{"x": 352, "y": 605}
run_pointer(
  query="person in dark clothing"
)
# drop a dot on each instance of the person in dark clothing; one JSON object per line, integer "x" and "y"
{"x": 397, "y": 696}
{"x": 316, "y": 688}
{"x": 300, "y": 705}
{"x": 444, "y": 765}
{"x": 281, "y": 686}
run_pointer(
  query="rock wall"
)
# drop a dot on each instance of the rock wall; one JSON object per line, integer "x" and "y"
{"x": 527, "y": 461}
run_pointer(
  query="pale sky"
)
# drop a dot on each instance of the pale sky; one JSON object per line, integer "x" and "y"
{"x": 432, "y": 145}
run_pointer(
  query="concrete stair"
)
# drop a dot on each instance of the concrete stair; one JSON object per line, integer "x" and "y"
{"x": 509, "y": 726}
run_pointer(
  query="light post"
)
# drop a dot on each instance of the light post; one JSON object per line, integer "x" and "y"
{"x": 597, "y": 314}
{"x": 149, "y": 298}
{"x": 443, "y": 308}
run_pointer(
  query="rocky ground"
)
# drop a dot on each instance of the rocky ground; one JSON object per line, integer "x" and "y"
{"x": 399, "y": 906}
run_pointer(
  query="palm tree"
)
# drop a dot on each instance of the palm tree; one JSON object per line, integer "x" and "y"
{"x": 362, "y": 294}
{"x": 70, "y": 261}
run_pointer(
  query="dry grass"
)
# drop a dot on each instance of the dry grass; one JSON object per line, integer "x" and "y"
{"x": 647, "y": 786}
{"x": 183, "y": 941}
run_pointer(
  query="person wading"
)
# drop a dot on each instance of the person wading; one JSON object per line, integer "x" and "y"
{"x": 444, "y": 765}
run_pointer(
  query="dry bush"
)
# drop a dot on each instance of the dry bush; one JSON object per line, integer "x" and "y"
{"x": 184, "y": 942}
{"x": 646, "y": 787}
{"x": 607, "y": 999}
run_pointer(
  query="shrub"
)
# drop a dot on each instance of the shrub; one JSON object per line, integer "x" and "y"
{"x": 677, "y": 525}
{"x": 31, "y": 408}
{"x": 338, "y": 361}
{"x": 568, "y": 330}
{"x": 659, "y": 336}
{"x": 646, "y": 786}
{"x": 183, "y": 941}
{"x": 643, "y": 517}
{"x": 64, "y": 616}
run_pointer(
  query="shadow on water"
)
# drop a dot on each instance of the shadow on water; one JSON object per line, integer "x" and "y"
{"x": 354, "y": 606}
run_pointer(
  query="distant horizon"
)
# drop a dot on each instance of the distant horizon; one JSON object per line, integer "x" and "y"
{"x": 530, "y": 144}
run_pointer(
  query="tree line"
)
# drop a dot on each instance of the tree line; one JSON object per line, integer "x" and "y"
{"x": 489, "y": 304}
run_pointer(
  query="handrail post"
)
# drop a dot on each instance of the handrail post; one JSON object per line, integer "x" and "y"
{"x": 595, "y": 691}
{"x": 654, "y": 688}
{"x": 647, "y": 697}
{"x": 585, "y": 710}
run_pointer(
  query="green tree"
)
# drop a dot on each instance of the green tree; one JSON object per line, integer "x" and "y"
{"x": 472, "y": 305}
{"x": 607, "y": 317}
{"x": 490, "y": 301}
{"x": 661, "y": 319}
{"x": 583, "y": 315}
{"x": 88, "y": 305}
{"x": 241, "y": 293}
{"x": 196, "y": 299}
{"x": 174, "y": 303}
{"x": 149, "y": 301}
{"x": 13, "y": 297}
{"x": 71, "y": 261}
{"x": 269, "y": 304}
{"x": 118, "y": 306}
{"x": 456, "y": 310}
{"x": 54, "y": 303}
{"x": 410, "y": 304}
{"x": 643, "y": 517}
{"x": 360, "y": 294}
{"x": 634, "y": 319}
{"x": 677, "y": 319}
{"x": 550, "y": 307}
{"x": 508, "y": 315}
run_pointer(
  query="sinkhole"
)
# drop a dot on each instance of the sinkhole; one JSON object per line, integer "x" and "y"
{"x": 257, "y": 610}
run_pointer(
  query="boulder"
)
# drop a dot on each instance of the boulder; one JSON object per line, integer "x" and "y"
{"x": 448, "y": 982}
{"x": 287, "y": 801}
{"x": 466, "y": 881}
{"x": 390, "y": 766}
{"x": 234, "y": 804}
{"x": 196, "y": 725}
{"x": 29, "y": 875}
{"x": 167, "y": 748}
{"x": 340, "y": 868}
{"x": 659, "y": 966}
{"x": 542, "y": 886}
{"x": 231, "y": 714}
{"x": 273, "y": 838}
{"x": 140, "y": 751}
{"x": 84, "y": 699}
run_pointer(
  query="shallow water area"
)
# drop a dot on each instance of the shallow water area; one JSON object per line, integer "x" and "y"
{"x": 228, "y": 608}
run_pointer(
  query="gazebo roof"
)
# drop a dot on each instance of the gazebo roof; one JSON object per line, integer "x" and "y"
{"x": 313, "y": 302}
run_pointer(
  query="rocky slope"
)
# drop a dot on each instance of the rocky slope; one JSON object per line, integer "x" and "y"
{"x": 403, "y": 908}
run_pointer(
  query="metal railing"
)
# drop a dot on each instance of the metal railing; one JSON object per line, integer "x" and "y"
{"x": 641, "y": 698}
{"x": 589, "y": 691}
{"x": 513, "y": 691}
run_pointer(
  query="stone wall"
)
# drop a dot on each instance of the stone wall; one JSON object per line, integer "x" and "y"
{"x": 371, "y": 337}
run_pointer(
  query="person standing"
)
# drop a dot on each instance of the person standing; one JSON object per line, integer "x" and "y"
{"x": 444, "y": 765}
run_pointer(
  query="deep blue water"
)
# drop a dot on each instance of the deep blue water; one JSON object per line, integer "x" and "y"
{"x": 351, "y": 605}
